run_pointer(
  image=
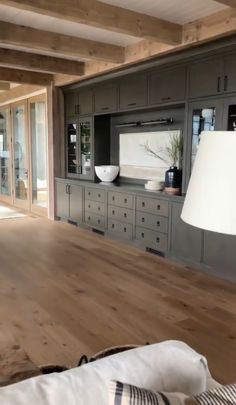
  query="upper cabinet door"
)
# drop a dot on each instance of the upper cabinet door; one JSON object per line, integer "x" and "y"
{"x": 168, "y": 85}
{"x": 133, "y": 91}
{"x": 230, "y": 73}
{"x": 86, "y": 102}
{"x": 71, "y": 104}
{"x": 206, "y": 78}
{"x": 105, "y": 98}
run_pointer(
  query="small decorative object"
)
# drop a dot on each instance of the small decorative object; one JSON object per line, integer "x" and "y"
{"x": 107, "y": 173}
{"x": 154, "y": 185}
{"x": 172, "y": 153}
{"x": 173, "y": 180}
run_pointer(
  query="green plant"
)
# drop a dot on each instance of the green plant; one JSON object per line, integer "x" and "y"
{"x": 171, "y": 153}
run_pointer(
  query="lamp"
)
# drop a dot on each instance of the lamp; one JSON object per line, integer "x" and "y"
{"x": 210, "y": 202}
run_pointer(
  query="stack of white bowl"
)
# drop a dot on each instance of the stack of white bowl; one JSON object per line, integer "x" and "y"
{"x": 154, "y": 185}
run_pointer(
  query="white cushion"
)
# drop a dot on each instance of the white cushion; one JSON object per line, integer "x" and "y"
{"x": 168, "y": 366}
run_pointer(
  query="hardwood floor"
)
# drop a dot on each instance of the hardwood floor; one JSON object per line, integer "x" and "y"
{"x": 66, "y": 291}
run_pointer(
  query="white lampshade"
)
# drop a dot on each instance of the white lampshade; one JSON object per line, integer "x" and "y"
{"x": 210, "y": 202}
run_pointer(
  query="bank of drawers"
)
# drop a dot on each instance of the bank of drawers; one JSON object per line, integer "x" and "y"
{"x": 120, "y": 214}
{"x": 95, "y": 207}
{"x": 151, "y": 223}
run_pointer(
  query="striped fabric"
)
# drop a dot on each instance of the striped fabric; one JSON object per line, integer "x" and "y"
{"x": 125, "y": 394}
{"x": 224, "y": 395}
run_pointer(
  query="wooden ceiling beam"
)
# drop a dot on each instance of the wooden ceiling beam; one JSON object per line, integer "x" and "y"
{"x": 217, "y": 25}
{"x": 40, "y": 63}
{"x": 27, "y": 77}
{"x": 18, "y": 92}
{"x": 4, "y": 86}
{"x": 31, "y": 38}
{"x": 98, "y": 14}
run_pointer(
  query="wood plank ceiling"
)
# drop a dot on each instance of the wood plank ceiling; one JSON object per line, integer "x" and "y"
{"x": 43, "y": 42}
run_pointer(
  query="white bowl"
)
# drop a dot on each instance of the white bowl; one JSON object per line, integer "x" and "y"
{"x": 107, "y": 173}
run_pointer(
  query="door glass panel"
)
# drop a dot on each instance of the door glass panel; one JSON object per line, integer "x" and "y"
{"x": 86, "y": 143}
{"x": 39, "y": 153}
{"x": 72, "y": 155}
{"x": 232, "y": 118}
{"x": 20, "y": 153}
{"x": 5, "y": 156}
{"x": 204, "y": 119}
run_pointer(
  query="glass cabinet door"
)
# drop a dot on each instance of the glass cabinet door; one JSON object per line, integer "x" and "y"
{"x": 5, "y": 153}
{"x": 72, "y": 148}
{"x": 85, "y": 128}
{"x": 204, "y": 116}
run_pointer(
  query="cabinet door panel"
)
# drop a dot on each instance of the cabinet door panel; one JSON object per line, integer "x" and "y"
{"x": 186, "y": 240}
{"x": 133, "y": 92}
{"x": 219, "y": 254}
{"x": 206, "y": 78}
{"x": 85, "y": 102}
{"x": 230, "y": 73}
{"x": 166, "y": 86}
{"x": 76, "y": 200}
{"x": 105, "y": 99}
{"x": 71, "y": 104}
{"x": 62, "y": 200}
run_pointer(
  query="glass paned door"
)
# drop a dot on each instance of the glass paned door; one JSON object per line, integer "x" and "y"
{"x": 5, "y": 155}
{"x": 204, "y": 119}
{"x": 20, "y": 153}
{"x": 72, "y": 149}
{"x": 86, "y": 147}
{"x": 38, "y": 141}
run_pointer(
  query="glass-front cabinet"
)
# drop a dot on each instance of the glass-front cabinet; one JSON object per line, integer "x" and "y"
{"x": 203, "y": 116}
{"x": 79, "y": 139}
{"x": 5, "y": 155}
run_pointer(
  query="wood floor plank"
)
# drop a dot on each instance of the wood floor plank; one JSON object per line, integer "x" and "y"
{"x": 65, "y": 291}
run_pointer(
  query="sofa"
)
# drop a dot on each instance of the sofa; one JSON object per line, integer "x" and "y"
{"x": 170, "y": 366}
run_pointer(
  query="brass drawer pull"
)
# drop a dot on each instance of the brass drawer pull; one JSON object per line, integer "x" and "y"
{"x": 99, "y": 195}
{"x": 99, "y": 221}
{"x": 89, "y": 206}
{"x": 158, "y": 207}
{"x": 142, "y": 234}
{"x": 158, "y": 240}
{"x": 125, "y": 215}
{"x": 143, "y": 204}
{"x": 99, "y": 208}
{"x": 113, "y": 212}
{"x": 89, "y": 193}
{"x": 89, "y": 218}
{"x": 125, "y": 200}
{"x": 113, "y": 226}
{"x": 158, "y": 223}
{"x": 125, "y": 229}
{"x": 113, "y": 198}
{"x": 143, "y": 219}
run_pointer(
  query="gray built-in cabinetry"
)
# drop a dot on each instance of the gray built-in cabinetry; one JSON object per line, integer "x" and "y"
{"x": 185, "y": 89}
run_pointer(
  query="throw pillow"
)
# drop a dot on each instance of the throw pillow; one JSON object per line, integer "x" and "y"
{"x": 125, "y": 394}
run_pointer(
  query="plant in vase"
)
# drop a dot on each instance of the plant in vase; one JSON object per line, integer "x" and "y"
{"x": 171, "y": 153}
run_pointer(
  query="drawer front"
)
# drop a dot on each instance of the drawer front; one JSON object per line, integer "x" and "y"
{"x": 120, "y": 214}
{"x": 153, "y": 222}
{"x": 94, "y": 194}
{"x": 152, "y": 239}
{"x": 124, "y": 230}
{"x": 153, "y": 206}
{"x": 94, "y": 220}
{"x": 95, "y": 207}
{"x": 120, "y": 199}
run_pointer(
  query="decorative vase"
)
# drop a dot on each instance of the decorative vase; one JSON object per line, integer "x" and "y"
{"x": 173, "y": 180}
